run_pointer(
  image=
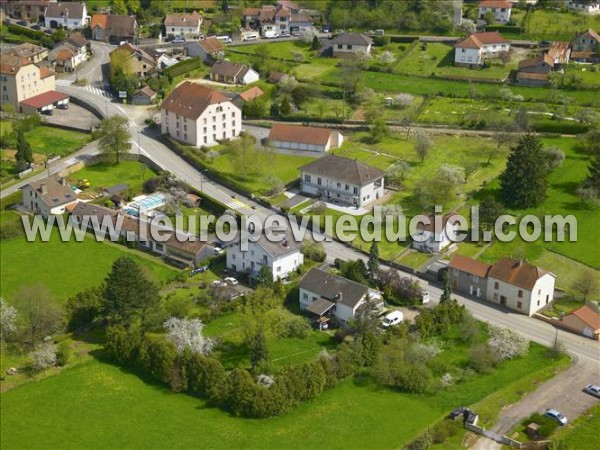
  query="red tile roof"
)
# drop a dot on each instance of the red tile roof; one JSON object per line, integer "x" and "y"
{"x": 45, "y": 99}
{"x": 99, "y": 20}
{"x": 532, "y": 62}
{"x": 588, "y": 316}
{"x": 45, "y": 72}
{"x": 516, "y": 272}
{"x": 251, "y": 94}
{"x": 211, "y": 45}
{"x": 469, "y": 265}
{"x": 191, "y": 99}
{"x": 300, "y": 134}
{"x": 478, "y": 40}
{"x": 495, "y": 4}
{"x": 64, "y": 54}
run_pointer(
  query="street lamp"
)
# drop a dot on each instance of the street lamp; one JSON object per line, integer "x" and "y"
{"x": 201, "y": 179}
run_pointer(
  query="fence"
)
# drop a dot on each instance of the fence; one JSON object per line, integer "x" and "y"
{"x": 493, "y": 436}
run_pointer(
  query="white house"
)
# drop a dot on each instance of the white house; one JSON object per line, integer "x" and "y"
{"x": 474, "y": 49}
{"x": 186, "y": 25}
{"x": 515, "y": 284}
{"x": 500, "y": 9}
{"x": 431, "y": 238}
{"x": 209, "y": 49}
{"x": 71, "y": 15}
{"x": 281, "y": 257}
{"x": 313, "y": 139}
{"x": 520, "y": 285}
{"x": 328, "y": 296}
{"x": 284, "y": 18}
{"x": 342, "y": 180}
{"x": 585, "y": 7}
{"x": 48, "y": 196}
{"x": 347, "y": 44}
{"x": 68, "y": 55}
{"x": 233, "y": 73}
{"x": 198, "y": 115}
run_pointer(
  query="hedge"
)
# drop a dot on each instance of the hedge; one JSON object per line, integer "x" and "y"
{"x": 560, "y": 127}
{"x": 504, "y": 28}
{"x": 184, "y": 66}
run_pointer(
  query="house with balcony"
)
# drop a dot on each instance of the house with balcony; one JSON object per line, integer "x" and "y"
{"x": 498, "y": 8}
{"x": 282, "y": 257}
{"x": 342, "y": 180}
{"x": 473, "y": 50}
{"x": 432, "y": 237}
{"x": 199, "y": 116}
{"x": 326, "y": 297}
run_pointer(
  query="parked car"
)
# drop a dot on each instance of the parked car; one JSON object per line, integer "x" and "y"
{"x": 218, "y": 251}
{"x": 23, "y": 23}
{"x": 425, "y": 298}
{"x": 557, "y": 416}
{"x": 178, "y": 40}
{"x": 63, "y": 106}
{"x": 199, "y": 270}
{"x": 231, "y": 280}
{"x": 48, "y": 112}
{"x": 391, "y": 319}
{"x": 284, "y": 34}
{"x": 592, "y": 389}
{"x": 379, "y": 32}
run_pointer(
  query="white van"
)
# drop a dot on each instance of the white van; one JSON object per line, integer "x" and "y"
{"x": 425, "y": 298}
{"x": 250, "y": 37}
{"x": 391, "y": 319}
{"x": 225, "y": 39}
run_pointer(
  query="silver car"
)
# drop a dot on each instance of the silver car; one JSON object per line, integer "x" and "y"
{"x": 592, "y": 389}
{"x": 556, "y": 416}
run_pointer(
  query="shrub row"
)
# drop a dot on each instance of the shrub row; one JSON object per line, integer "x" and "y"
{"x": 184, "y": 66}
{"x": 560, "y": 128}
{"x": 238, "y": 391}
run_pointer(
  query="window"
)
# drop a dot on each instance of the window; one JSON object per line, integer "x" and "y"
{"x": 347, "y": 187}
{"x": 539, "y": 292}
{"x": 355, "y": 190}
{"x": 219, "y": 109}
{"x": 462, "y": 50}
{"x": 224, "y": 116}
{"x": 319, "y": 181}
{"x": 339, "y": 185}
{"x": 455, "y": 272}
{"x": 278, "y": 269}
{"x": 184, "y": 127}
{"x": 340, "y": 46}
{"x": 475, "y": 279}
{"x": 305, "y": 296}
{"x": 495, "y": 296}
{"x": 307, "y": 178}
{"x": 538, "y": 303}
{"x": 547, "y": 299}
{"x": 233, "y": 124}
{"x": 520, "y": 305}
{"x": 232, "y": 255}
{"x": 205, "y": 140}
{"x": 349, "y": 47}
{"x": 520, "y": 293}
{"x": 185, "y": 136}
{"x": 496, "y": 285}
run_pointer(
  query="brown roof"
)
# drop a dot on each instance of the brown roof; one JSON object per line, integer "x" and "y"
{"x": 45, "y": 72}
{"x": 431, "y": 225}
{"x": 252, "y": 11}
{"x": 10, "y": 64}
{"x": 582, "y": 55}
{"x": 559, "y": 50}
{"x": 211, "y": 45}
{"x": 121, "y": 25}
{"x": 26, "y": 50}
{"x": 532, "y": 62}
{"x": 77, "y": 40}
{"x": 300, "y": 134}
{"x": 45, "y": 99}
{"x": 63, "y": 54}
{"x": 590, "y": 34}
{"x": 191, "y": 99}
{"x": 183, "y": 20}
{"x": 71, "y": 9}
{"x": 516, "y": 272}
{"x": 99, "y": 20}
{"x": 228, "y": 69}
{"x": 275, "y": 77}
{"x": 588, "y": 316}
{"x": 134, "y": 49}
{"x": 57, "y": 192}
{"x": 146, "y": 90}
{"x": 343, "y": 169}
{"x": 251, "y": 94}
{"x": 478, "y": 40}
{"x": 469, "y": 265}
{"x": 495, "y": 4}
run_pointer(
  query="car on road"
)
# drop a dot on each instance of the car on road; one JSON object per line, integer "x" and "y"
{"x": 230, "y": 280}
{"x": 557, "y": 416}
{"x": 592, "y": 389}
{"x": 48, "y": 112}
{"x": 63, "y": 106}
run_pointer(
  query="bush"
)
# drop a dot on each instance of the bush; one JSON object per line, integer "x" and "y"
{"x": 296, "y": 327}
{"x": 444, "y": 430}
{"x": 63, "y": 354}
{"x": 482, "y": 358}
{"x": 184, "y": 66}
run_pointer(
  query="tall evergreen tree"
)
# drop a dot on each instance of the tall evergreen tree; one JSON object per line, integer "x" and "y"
{"x": 260, "y": 353}
{"x": 24, "y": 152}
{"x": 523, "y": 183}
{"x": 373, "y": 263}
{"x": 593, "y": 179}
{"x": 447, "y": 292}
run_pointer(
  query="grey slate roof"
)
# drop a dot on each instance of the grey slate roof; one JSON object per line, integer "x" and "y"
{"x": 333, "y": 287}
{"x": 343, "y": 169}
{"x": 352, "y": 39}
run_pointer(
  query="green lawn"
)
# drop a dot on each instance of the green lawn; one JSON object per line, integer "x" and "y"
{"x": 315, "y": 69}
{"x": 438, "y": 59}
{"x": 105, "y": 175}
{"x": 553, "y": 25}
{"x": 67, "y": 268}
{"x": 583, "y": 433}
{"x": 55, "y": 141}
{"x": 97, "y": 405}
{"x": 284, "y": 50}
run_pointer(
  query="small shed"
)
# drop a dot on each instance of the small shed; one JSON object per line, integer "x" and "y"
{"x": 143, "y": 96}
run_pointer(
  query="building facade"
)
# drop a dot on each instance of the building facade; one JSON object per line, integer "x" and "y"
{"x": 310, "y": 139}
{"x": 342, "y": 180}
{"x": 432, "y": 238}
{"x": 49, "y": 196}
{"x": 500, "y": 10}
{"x": 21, "y": 79}
{"x": 186, "y": 25}
{"x": 475, "y": 49}
{"x": 199, "y": 116}
{"x": 349, "y": 44}
{"x": 71, "y": 15}
{"x": 585, "y": 7}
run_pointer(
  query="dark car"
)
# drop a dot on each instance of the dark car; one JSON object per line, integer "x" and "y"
{"x": 63, "y": 106}
{"x": 48, "y": 112}
{"x": 36, "y": 27}
{"x": 23, "y": 23}
{"x": 199, "y": 270}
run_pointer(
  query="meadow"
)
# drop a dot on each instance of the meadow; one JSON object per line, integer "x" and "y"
{"x": 105, "y": 175}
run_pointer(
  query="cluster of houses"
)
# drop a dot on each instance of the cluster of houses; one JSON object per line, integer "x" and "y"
{"x": 283, "y": 19}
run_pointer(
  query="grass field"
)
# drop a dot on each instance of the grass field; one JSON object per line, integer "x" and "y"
{"x": 97, "y": 405}
{"x": 66, "y": 268}
{"x": 55, "y": 141}
{"x": 553, "y": 25}
{"x": 105, "y": 175}
{"x": 583, "y": 433}
{"x": 283, "y": 50}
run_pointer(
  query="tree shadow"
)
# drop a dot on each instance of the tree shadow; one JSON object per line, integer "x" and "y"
{"x": 447, "y": 61}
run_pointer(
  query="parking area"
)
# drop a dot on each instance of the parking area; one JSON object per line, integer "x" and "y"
{"x": 75, "y": 117}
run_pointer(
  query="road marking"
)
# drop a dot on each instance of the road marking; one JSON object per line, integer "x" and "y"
{"x": 71, "y": 161}
{"x": 236, "y": 204}
{"x": 64, "y": 82}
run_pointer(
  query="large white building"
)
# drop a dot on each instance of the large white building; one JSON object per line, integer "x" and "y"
{"x": 474, "y": 49}
{"x": 585, "y": 7}
{"x": 342, "y": 180}
{"x": 283, "y": 257}
{"x": 312, "y": 139}
{"x": 187, "y": 25}
{"x": 69, "y": 15}
{"x": 431, "y": 239}
{"x": 198, "y": 115}
{"x": 515, "y": 284}
{"x": 326, "y": 296}
{"x": 499, "y": 8}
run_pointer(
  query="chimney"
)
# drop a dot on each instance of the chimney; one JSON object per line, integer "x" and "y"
{"x": 43, "y": 188}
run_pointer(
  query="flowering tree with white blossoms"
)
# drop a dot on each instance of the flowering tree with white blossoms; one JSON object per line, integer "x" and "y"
{"x": 187, "y": 334}
{"x": 507, "y": 344}
{"x": 8, "y": 319}
{"x": 44, "y": 356}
